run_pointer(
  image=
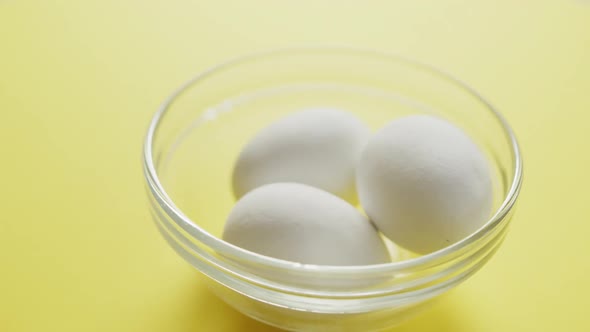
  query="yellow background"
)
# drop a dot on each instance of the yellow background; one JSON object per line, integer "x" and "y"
{"x": 79, "y": 81}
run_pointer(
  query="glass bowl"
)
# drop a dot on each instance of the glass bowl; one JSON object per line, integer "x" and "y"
{"x": 197, "y": 134}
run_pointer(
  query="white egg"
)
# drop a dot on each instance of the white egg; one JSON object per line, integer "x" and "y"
{"x": 303, "y": 224}
{"x": 317, "y": 147}
{"x": 424, "y": 183}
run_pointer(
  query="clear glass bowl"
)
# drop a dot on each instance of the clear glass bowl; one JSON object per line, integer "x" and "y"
{"x": 195, "y": 137}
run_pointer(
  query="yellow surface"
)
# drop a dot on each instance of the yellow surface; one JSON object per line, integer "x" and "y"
{"x": 79, "y": 82}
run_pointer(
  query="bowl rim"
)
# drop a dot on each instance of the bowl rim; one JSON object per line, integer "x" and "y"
{"x": 225, "y": 248}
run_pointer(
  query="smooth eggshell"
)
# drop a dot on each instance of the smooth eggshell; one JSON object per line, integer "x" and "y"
{"x": 317, "y": 147}
{"x": 424, "y": 183}
{"x": 303, "y": 224}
